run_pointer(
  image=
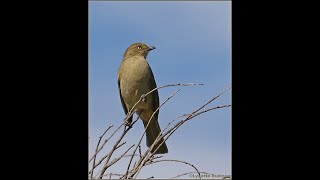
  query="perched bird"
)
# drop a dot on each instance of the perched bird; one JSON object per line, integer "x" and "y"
{"x": 135, "y": 78}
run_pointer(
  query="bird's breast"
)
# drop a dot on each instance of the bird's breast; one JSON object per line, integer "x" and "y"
{"x": 135, "y": 79}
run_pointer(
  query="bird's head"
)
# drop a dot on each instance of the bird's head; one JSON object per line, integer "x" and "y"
{"x": 138, "y": 49}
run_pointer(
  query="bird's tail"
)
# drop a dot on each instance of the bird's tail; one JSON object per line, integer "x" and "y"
{"x": 152, "y": 133}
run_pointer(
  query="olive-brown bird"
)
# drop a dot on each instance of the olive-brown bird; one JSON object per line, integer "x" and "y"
{"x": 135, "y": 78}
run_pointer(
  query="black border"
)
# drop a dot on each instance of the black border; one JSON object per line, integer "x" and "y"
{"x": 47, "y": 130}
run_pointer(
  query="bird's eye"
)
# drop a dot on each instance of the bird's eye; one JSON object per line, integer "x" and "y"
{"x": 139, "y": 47}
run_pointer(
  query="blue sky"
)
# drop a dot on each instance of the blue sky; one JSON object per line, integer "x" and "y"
{"x": 193, "y": 44}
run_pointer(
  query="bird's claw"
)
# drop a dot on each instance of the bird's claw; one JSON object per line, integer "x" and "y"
{"x": 127, "y": 123}
{"x": 143, "y": 98}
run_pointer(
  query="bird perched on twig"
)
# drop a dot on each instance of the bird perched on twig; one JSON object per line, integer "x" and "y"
{"x": 135, "y": 79}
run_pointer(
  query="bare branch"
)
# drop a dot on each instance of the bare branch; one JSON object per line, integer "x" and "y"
{"x": 192, "y": 115}
{"x": 117, "y": 159}
{"x": 94, "y": 160}
{"x": 103, "y": 158}
{"x": 115, "y": 147}
{"x": 106, "y": 141}
{"x": 100, "y": 161}
{"x": 145, "y": 131}
{"x": 148, "y": 157}
{"x": 112, "y": 151}
{"x": 148, "y": 153}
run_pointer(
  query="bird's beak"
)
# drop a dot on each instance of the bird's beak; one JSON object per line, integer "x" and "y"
{"x": 150, "y": 48}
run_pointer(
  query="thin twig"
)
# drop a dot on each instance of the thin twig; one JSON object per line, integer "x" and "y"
{"x": 123, "y": 123}
{"x": 187, "y": 174}
{"x": 140, "y": 150}
{"x": 210, "y": 109}
{"x": 106, "y": 141}
{"x": 131, "y": 158}
{"x": 94, "y": 160}
{"x": 178, "y": 84}
{"x": 118, "y": 146}
{"x": 103, "y": 158}
{"x": 100, "y": 161}
{"x": 112, "y": 174}
{"x": 117, "y": 159}
{"x": 129, "y": 155}
{"x": 173, "y": 160}
{"x": 112, "y": 151}
{"x": 210, "y": 101}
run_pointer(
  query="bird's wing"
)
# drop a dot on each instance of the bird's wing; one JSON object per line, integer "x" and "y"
{"x": 155, "y": 93}
{"x": 122, "y": 101}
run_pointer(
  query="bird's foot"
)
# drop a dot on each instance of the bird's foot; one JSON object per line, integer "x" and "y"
{"x": 127, "y": 123}
{"x": 143, "y": 98}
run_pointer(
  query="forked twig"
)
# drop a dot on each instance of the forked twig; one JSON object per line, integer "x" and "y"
{"x": 94, "y": 160}
{"x": 106, "y": 142}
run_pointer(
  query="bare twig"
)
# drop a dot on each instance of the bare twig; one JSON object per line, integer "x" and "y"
{"x": 123, "y": 123}
{"x": 117, "y": 144}
{"x": 140, "y": 150}
{"x": 106, "y": 141}
{"x": 173, "y": 160}
{"x": 103, "y": 158}
{"x": 210, "y": 109}
{"x": 100, "y": 161}
{"x": 129, "y": 155}
{"x": 117, "y": 159}
{"x": 187, "y": 174}
{"x": 169, "y": 85}
{"x": 112, "y": 151}
{"x": 210, "y": 101}
{"x": 121, "y": 145}
{"x": 94, "y": 160}
{"x": 112, "y": 174}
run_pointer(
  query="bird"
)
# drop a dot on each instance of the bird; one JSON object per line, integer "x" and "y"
{"x": 135, "y": 79}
